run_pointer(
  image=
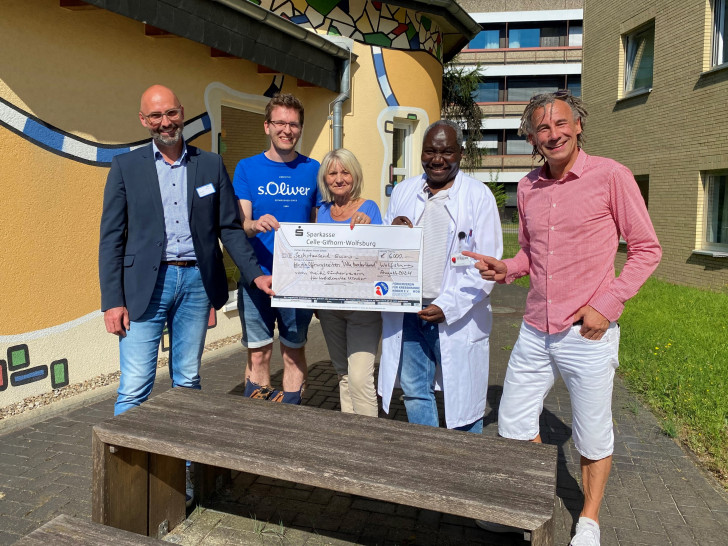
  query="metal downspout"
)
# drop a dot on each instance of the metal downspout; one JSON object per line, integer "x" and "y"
{"x": 338, "y": 123}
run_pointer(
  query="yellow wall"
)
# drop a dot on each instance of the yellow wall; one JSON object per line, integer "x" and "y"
{"x": 83, "y": 73}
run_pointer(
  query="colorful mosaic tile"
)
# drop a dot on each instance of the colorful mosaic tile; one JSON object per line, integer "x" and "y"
{"x": 370, "y": 22}
{"x": 378, "y": 39}
{"x": 324, "y": 7}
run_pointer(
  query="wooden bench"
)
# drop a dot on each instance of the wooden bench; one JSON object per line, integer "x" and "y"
{"x": 72, "y": 531}
{"x": 138, "y": 476}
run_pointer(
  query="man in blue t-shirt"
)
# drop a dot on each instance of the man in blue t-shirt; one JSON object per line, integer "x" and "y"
{"x": 278, "y": 185}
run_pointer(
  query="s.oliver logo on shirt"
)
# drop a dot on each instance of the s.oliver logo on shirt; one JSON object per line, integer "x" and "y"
{"x": 281, "y": 188}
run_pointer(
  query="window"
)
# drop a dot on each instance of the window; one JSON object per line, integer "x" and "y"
{"x": 524, "y": 37}
{"x": 488, "y": 90}
{"x": 517, "y": 145}
{"x": 643, "y": 183}
{"x": 400, "y": 149}
{"x": 489, "y": 142}
{"x": 639, "y": 58}
{"x": 520, "y": 35}
{"x": 716, "y": 211}
{"x": 503, "y": 142}
{"x": 522, "y": 88}
{"x": 575, "y": 35}
{"x": 486, "y": 39}
{"x": 720, "y": 27}
{"x": 573, "y": 84}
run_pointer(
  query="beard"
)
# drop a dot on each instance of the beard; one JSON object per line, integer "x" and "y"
{"x": 166, "y": 140}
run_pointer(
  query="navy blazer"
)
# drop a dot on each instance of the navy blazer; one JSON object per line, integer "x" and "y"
{"x": 132, "y": 229}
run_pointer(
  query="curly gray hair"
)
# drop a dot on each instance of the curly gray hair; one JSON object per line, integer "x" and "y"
{"x": 544, "y": 99}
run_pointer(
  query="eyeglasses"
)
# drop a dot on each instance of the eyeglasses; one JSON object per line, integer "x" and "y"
{"x": 560, "y": 94}
{"x": 155, "y": 118}
{"x": 282, "y": 125}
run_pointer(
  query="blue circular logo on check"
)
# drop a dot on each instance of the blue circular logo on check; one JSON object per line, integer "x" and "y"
{"x": 381, "y": 288}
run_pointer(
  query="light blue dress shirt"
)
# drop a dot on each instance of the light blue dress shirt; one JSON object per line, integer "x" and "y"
{"x": 173, "y": 187}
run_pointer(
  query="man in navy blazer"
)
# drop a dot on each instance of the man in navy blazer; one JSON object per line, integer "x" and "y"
{"x": 166, "y": 205}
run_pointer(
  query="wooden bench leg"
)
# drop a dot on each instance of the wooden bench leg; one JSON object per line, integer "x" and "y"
{"x": 166, "y": 494}
{"x": 544, "y": 535}
{"x": 120, "y": 482}
{"x": 208, "y": 480}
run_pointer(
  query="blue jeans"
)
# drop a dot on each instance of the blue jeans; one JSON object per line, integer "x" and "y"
{"x": 179, "y": 300}
{"x": 258, "y": 319}
{"x": 418, "y": 362}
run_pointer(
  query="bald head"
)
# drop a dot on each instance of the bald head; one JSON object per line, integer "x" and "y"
{"x": 157, "y": 94}
{"x": 162, "y": 114}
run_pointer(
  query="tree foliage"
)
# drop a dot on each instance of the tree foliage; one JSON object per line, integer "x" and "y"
{"x": 459, "y": 84}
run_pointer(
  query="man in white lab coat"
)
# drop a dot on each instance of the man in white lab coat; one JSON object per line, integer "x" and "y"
{"x": 445, "y": 345}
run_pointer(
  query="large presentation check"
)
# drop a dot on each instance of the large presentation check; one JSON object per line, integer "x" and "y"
{"x": 331, "y": 266}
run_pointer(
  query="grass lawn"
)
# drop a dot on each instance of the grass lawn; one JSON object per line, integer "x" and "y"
{"x": 511, "y": 247}
{"x": 674, "y": 352}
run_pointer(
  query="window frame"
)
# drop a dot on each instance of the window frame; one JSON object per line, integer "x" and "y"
{"x": 629, "y": 39}
{"x": 523, "y": 27}
{"x": 565, "y": 81}
{"x": 719, "y": 49}
{"x": 563, "y": 34}
{"x": 404, "y": 129}
{"x": 500, "y": 30}
{"x": 708, "y": 178}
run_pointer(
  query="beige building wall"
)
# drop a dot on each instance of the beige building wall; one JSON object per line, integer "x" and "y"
{"x": 672, "y": 134}
{"x": 476, "y": 6}
{"x": 81, "y": 74}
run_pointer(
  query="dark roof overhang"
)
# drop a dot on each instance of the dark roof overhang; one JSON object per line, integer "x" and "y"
{"x": 242, "y": 29}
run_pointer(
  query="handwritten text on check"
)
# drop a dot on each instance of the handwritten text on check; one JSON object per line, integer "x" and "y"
{"x": 331, "y": 266}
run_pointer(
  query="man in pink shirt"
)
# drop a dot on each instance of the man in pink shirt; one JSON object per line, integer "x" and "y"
{"x": 572, "y": 212}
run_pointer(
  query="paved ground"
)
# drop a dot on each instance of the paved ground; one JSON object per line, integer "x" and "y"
{"x": 656, "y": 494}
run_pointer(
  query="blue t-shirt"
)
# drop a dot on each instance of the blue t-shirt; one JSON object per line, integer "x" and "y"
{"x": 288, "y": 191}
{"x": 368, "y": 207}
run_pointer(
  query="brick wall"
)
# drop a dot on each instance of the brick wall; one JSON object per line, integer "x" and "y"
{"x": 672, "y": 134}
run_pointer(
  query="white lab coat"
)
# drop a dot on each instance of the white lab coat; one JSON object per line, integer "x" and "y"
{"x": 464, "y": 299}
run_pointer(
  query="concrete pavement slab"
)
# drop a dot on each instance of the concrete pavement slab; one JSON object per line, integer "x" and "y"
{"x": 656, "y": 494}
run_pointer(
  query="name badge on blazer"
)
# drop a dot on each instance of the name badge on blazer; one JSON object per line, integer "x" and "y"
{"x": 205, "y": 190}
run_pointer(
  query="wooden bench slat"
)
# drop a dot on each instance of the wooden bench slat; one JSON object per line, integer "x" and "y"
{"x": 485, "y": 478}
{"x": 65, "y": 530}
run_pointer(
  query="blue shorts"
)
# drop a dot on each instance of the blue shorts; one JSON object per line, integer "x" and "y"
{"x": 258, "y": 319}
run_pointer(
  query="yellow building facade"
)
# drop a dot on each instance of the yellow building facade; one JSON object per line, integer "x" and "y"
{"x": 655, "y": 83}
{"x": 72, "y": 76}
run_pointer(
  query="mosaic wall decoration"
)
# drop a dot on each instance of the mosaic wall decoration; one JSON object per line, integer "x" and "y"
{"x": 369, "y": 22}
{"x": 65, "y": 144}
{"x": 79, "y": 149}
{"x": 382, "y": 78}
{"x": 22, "y": 373}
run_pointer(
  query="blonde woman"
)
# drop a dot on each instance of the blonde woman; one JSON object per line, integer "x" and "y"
{"x": 351, "y": 336}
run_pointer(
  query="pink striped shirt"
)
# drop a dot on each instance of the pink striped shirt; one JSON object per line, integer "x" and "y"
{"x": 569, "y": 232}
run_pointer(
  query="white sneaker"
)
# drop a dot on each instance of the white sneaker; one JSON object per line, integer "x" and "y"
{"x": 496, "y": 527}
{"x": 587, "y": 533}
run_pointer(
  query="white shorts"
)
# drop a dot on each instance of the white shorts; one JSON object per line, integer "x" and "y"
{"x": 588, "y": 369}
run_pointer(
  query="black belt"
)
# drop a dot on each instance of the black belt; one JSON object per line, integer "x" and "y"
{"x": 180, "y": 263}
